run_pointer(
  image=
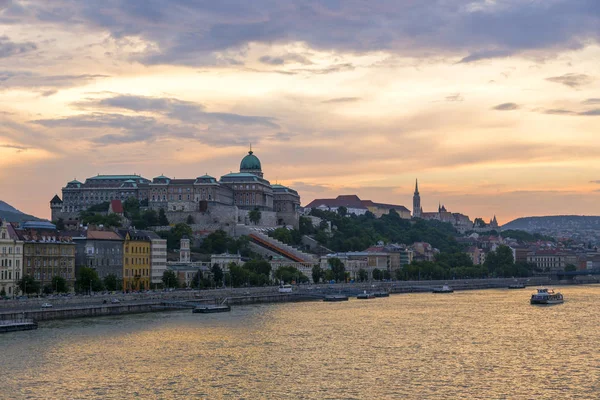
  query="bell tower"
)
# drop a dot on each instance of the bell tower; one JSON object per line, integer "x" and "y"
{"x": 416, "y": 201}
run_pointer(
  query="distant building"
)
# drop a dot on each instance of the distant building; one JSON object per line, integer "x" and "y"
{"x": 101, "y": 250}
{"x": 417, "y": 210}
{"x": 354, "y": 205}
{"x": 184, "y": 251}
{"x": 11, "y": 259}
{"x": 223, "y": 260}
{"x": 158, "y": 261}
{"x": 476, "y": 255}
{"x": 47, "y": 253}
{"x": 222, "y": 201}
{"x": 136, "y": 264}
{"x": 551, "y": 261}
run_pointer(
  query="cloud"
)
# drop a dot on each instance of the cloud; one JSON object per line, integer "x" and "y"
{"x": 272, "y": 60}
{"x": 14, "y": 146}
{"x": 571, "y": 80}
{"x": 591, "y": 101}
{"x": 9, "y": 48}
{"x": 185, "y": 111}
{"x": 454, "y": 98}
{"x": 593, "y": 113}
{"x": 506, "y": 107}
{"x": 597, "y": 182}
{"x": 484, "y": 55}
{"x": 47, "y": 85}
{"x": 198, "y": 31}
{"x": 342, "y": 100}
{"x": 559, "y": 111}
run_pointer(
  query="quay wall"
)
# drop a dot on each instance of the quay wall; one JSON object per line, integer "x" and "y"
{"x": 79, "y": 312}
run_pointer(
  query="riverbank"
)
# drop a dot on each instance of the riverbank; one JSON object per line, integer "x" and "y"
{"x": 167, "y": 301}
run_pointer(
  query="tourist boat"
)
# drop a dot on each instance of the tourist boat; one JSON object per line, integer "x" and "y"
{"x": 285, "y": 289}
{"x": 336, "y": 297}
{"x": 546, "y": 296}
{"x": 365, "y": 296}
{"x": 209, "y": 309}
{"x": 443, "y": 289}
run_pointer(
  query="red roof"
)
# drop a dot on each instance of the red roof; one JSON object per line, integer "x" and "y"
{"x": 116, "y": 206}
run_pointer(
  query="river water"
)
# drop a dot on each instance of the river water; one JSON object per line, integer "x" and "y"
{"x": 475, "y": 344}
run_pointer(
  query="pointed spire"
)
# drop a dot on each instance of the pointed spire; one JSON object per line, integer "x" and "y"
{"x": 416, "y": 186}
{"x": 250, "y": 152}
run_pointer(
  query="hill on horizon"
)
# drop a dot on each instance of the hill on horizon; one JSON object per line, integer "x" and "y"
{"x": 11, "y": 214}
{"x": 554, "y": 222}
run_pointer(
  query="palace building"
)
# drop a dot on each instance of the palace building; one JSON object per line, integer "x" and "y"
{"x": 244, "y": 190}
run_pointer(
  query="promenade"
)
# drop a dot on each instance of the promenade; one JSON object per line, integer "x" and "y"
{"x": 101, "y": 305}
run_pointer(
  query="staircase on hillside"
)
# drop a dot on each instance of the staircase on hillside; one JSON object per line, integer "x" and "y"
{"x": 281, "y": 248}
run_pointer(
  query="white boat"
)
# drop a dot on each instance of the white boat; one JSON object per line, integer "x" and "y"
{"x": 443, "y": 289}
{"x": 285, "y": 289}
{"x": 546, "y": 296}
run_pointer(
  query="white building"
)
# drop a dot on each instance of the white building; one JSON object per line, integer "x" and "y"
{"x": 158, "y": 261}
{"x": 11, "y": 259}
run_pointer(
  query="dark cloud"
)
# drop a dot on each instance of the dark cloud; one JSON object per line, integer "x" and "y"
{"x": 9, "y": 48}
{"x": 272, "y": 60}
{"x": 597, "y": 182}
{"x": 594, "y": 113}
{"x": 342, "y": 100}
{"x": 591, "y": 101}
{"x": 192, "y": 32}
{"x": 559, "y": 111}
{"x": 455, "y": 97}
{"x": 185, "y": 111}
{"x": 506, "y": 107}
{"x": 571, "y": 80}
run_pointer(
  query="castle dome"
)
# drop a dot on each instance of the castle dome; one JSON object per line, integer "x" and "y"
{"x": 250, "y": 163}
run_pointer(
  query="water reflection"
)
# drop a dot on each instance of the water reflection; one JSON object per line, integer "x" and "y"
{"x": 481, "y": 344}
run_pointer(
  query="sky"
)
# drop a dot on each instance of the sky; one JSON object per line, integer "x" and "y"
{"x": 494, "y": 105}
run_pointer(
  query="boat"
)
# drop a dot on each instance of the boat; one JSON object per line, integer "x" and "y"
{"x": 546, "y": 296}
{"x": 443, "y": 289}
{"x": 381, "y": 294}
{"x": 365, "y": 296}
{"x": 209, "y": 309}
{"x": 516, "y": 286}
{"x": 285, "y": 289}
{"x": 336, "y": 297}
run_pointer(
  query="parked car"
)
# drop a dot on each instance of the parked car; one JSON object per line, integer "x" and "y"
{"x": 115, "y": 301}
{"x": 46, "y": 305}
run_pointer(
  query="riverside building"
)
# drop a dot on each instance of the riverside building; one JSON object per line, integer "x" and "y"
{"x": 11, "y": 259}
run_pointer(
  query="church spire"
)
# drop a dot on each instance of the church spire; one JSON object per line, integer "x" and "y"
{"x": 416, "y": 186}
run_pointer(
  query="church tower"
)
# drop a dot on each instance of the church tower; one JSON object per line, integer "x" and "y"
{"x": 416, "y": 201}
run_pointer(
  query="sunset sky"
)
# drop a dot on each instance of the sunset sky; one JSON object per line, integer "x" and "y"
{"x": 494, "y": 105}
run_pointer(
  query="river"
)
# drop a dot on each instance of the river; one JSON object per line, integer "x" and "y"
{"x": 488, "y": 344}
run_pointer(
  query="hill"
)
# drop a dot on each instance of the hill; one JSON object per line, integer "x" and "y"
{"x": 11, "y": 214}
{"x": 554, "y": 223}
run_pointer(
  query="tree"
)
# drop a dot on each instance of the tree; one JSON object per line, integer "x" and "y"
{"x": 59, "y": 284}
{"x": 162, "y": 217}
{"x": 28, "y": 285}
{"x": 87, "y": 279}
{"x": 111, "y": 283}
{"x": 254, "y": 216}
{"x": 570, "y": 268}
{"x": 500, "y": 262}
{"x": 343, "y": 211}
{"x": 190, "y": 220}
{"x": 47, "y": 288}
{"x": 60, "y": 224}
{"x": 2, "y": 292}
{"x": 217, "y": 274}
{"x": 363, "y": 275}
{"x": 131, "y": 206}
{"x": 169, "y": 279}
{"x": 338, "y": 269}
{"x": 317, "y": 273}
{"x": 377, "y": 274}
{"x": 289, "y": 274}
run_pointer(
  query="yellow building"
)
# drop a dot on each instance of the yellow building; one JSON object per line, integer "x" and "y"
{"x": 136, "y": 261}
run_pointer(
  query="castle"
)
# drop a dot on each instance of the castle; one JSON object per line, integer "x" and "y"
{"x": 215, "y": 203}
{"x": 461, "y": 222}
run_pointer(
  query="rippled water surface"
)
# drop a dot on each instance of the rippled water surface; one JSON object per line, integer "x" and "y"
{"x": 478, "y": 344}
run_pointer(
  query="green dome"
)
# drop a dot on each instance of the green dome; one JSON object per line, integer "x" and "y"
{"x": 250, "y": 162}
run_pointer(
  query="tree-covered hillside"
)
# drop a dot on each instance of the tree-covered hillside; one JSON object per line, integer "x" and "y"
{"x": 356, "y": 233}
